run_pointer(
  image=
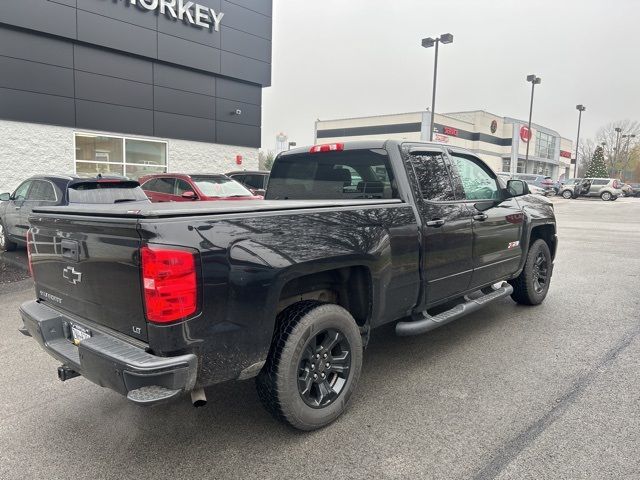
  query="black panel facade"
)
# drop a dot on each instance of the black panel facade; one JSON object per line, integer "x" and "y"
{"x": 114, "y": 66}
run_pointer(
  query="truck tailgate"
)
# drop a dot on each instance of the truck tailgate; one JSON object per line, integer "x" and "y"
{"x": 89, "y": 267}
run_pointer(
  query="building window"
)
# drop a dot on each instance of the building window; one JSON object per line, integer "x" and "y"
{"x": 506, "y": 164}
{"x": 521, "y": 166}
{"x": 99, "y": 154}
{"x": 545, "y": 145}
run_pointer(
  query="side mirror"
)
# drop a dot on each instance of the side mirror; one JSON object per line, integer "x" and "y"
{"x": 189, "y": 195}
{"x": 517, "y": 188}
{"x": 5, "y": 197}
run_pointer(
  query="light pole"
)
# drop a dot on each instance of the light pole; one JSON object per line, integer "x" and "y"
{"x": 580, "y": 108}
{"x": 615, "y": 150}
{"x": 534, "y": 81}
{"x": 428, "y": 43}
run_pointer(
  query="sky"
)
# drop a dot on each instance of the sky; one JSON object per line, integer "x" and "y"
{"x": 347, "y": 58}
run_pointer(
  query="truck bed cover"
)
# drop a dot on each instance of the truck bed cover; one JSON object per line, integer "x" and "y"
{"x": 187, "y": 209}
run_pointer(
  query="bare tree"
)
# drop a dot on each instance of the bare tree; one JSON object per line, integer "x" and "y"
{"x": 617, "y": 148}
{"x": 585, "y": 154}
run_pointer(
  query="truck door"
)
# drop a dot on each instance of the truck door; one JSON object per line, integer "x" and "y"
{"x": 497, "y": 221}
{"x": 446, "y": 226}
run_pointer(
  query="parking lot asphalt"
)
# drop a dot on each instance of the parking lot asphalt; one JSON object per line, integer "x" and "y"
{"x": 510, "y": 392}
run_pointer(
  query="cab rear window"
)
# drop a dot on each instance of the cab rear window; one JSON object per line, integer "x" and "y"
{"x": 340, "y": 175}
{"x": 106, "y": 192}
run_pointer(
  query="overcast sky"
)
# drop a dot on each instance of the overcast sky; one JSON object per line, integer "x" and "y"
{"x": 345, "y": 58}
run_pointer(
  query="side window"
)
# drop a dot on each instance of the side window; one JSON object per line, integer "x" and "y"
{"x": 432, "y": 175}
{"x": 21, "y": 191}
{"x": 164, "y": 185}
{"x": 149, "y": 185}
{"x": 477, "y": 181}
{"x": 41, "y": 191}
{"x": 253, "y": 181}
{"x": 599, "y": 182}
{"x": 182, "y": 186}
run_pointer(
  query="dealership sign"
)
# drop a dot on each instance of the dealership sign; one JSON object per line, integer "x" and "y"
{"x": 525, "y": 134}
{"x": 451, "y": 131}
{"x": 183, "y": 10}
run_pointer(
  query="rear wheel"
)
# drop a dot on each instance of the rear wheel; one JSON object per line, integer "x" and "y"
{"x": 313, "y": 366}
{"x": 567, "y": 194}
{"x": 532, "y": 285}
{"x": 606, "y": 196}
{"x": 6, "y": 245}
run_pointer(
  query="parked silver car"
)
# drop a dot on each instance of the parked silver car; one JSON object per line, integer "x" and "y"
{"x": 605, "y": 188}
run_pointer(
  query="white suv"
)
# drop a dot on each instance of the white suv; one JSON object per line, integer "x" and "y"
{"x": 605, "y": 188}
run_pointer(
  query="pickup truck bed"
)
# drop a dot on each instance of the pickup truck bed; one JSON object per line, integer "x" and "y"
{"x": 160, "y": 299}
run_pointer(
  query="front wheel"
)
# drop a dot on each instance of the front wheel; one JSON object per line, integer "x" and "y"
{"x": 567, "y": 194}
{"x": 606, "y": 196}
{"x": 6, "y": 245}
{"x": 532, "y": 285}
{"x": 313, "y": 366}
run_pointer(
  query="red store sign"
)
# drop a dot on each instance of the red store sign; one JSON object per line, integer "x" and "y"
{"x": 565, "y": 154}
{"x": 525, "y": 134}
{"x": 451, "y": 131}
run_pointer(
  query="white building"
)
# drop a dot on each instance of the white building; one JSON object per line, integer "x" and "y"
{"x": 499, "y": 141}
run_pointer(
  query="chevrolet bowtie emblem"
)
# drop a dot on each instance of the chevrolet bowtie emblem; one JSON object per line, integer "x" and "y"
{"x": 72, "y": 276}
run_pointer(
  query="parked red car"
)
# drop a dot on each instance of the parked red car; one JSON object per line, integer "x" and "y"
{"x": 178, "y": 187}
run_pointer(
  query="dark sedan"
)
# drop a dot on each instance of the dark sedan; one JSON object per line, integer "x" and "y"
{"x": 54, "y": 190}
{"x": 254, "y": 180}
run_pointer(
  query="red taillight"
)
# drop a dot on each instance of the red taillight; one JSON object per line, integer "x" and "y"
{"x": 616, "y": 184}
{"x": 169, "y": 282}
{"x": 29, "y": 242}
{"x": 327, "y": 147}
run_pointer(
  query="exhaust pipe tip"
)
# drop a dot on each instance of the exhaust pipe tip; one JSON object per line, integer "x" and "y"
{"x": 198, "y": 398}
{"x": 65, "y": 373}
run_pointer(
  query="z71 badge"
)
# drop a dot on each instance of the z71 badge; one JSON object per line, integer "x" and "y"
{"x": 513, "y": 245}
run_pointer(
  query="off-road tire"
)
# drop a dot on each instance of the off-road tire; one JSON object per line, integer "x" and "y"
{"x": 567, "y": 194}
{"x": 524, "y": 291}
{"x": 6, "y": 245}
{"x": 606, "y": 196}
{"x": 277, "y": 383}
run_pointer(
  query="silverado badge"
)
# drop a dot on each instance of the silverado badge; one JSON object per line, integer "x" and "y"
{"x": 71, "y": 276}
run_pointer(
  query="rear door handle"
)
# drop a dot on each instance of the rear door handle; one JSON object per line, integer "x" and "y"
{"x": 436, "y": 223}
{"x": 480, "y": 217}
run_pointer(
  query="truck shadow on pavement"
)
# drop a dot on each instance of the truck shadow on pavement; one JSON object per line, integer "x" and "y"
{"x": 233, "y": 410}
{"x": 234, "y": 431}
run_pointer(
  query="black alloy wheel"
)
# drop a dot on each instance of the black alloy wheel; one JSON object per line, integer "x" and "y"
{"x": 313, "y": 365}
{"x": 324, "y": 368}
{"x": 540, "y": 273}
{"x": 532, "y": 285}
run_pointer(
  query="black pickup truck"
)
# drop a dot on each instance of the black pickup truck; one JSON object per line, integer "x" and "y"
{"x": 157, "y": 300}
